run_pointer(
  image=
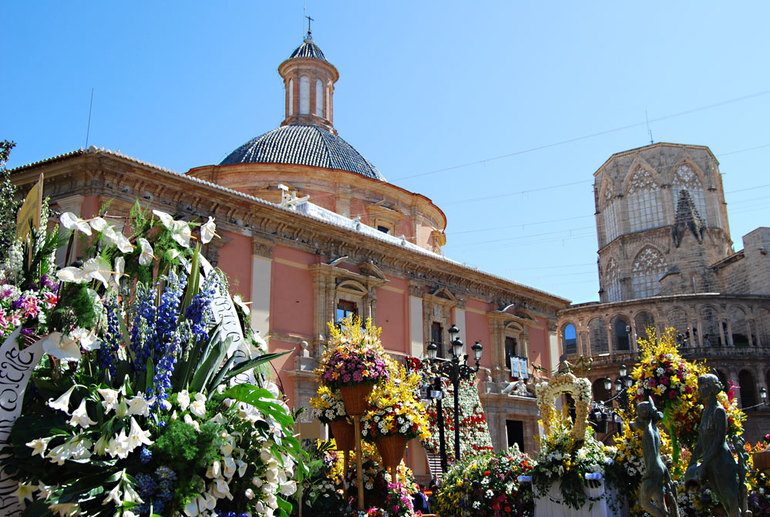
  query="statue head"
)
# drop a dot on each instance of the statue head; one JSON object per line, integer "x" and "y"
{"x": 708, "y": 385}
{"x": 646, "y": 412}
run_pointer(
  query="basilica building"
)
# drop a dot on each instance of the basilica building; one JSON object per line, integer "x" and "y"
{"x": 666, "y": 260}
{"x": 311, "y": 231}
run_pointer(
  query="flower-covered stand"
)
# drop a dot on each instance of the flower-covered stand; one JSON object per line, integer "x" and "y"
{"x": 391, "y": 449}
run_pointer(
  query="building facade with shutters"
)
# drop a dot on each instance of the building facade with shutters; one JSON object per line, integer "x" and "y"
{"x": 666, "y": 260}
{"x": 312, "y": 231}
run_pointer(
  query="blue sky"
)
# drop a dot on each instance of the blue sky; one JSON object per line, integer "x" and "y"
{"x": 500, "y": 112}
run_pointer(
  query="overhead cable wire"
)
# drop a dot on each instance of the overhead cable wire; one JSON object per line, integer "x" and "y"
{"x": 586, "y": 137}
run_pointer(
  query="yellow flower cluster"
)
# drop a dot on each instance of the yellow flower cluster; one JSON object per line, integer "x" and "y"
{"x": 395, "y": 407}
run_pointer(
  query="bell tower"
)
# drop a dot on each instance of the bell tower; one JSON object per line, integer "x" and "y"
{"x": 308, "y": 80}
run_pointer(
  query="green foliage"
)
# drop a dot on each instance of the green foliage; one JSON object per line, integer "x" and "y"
{"x": 187, "y": 452}
{"x": 8, "y": 202}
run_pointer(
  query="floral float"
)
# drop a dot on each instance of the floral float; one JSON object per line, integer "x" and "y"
{"x": 570, "y": 457}
{"x": 487, "y": 485}
{"x": 139, "y": 405}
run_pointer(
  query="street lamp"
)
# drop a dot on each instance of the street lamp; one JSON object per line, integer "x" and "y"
{"x": 437, "y": 394}
{"x": 455, "y": 371}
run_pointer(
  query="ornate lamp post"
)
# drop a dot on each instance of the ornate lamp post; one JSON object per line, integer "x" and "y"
{"x": 455, "y": 371}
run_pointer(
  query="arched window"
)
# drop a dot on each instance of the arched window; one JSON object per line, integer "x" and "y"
{"x": 304, "y": 95}
{"x": 610, "y": 214}
{"x": 612, "y": 281}
{"x": 569, "y": 340}
{"x": 649, "y": 265}
{"x": 644, "y": 208}
{"x": 621, "y": 335}
{"x": 319, "y": 98}
{"x": 291, "y": 96}
{"x": 686, "y": 179}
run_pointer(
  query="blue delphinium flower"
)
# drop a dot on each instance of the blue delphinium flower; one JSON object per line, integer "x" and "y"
{"x": 145, "y": 455}
{"x": 198, "y": 313}
{"x": 142, "y": 325}
{"x": 166, "y": 339}
{"x": 108, "y": 351}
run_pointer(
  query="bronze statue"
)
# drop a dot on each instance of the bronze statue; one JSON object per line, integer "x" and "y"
{"x": 657, "y": 494}
{"x": 717, "y": 466}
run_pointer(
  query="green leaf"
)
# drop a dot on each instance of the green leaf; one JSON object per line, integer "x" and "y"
{"x": 149, "y": 375}
{"x": 193, "y": 285}
{"x": 250, "y": 364}
{"x": 255, "y": 396}
{"x": 284, "y": 507}
{"x": 206, "y": 369}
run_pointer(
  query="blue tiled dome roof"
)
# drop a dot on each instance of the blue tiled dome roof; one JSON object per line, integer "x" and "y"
{"x": 308, "y": 49}
{"x": 304, "y": 145}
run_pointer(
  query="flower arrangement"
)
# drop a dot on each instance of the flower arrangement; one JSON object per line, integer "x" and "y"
{"x": 395, "y": 407}
{"x": 328, "y": 405}
{"x": 487, "y": 486}
{"x": 375, "y": 478}
{"x": 353, "y": 355}
{"x": 320, "y": 493}
{"x": 565, "y": 460}
{"x": 398, "y": 502}
{"x": 474, "y": 431}
{"x": 672, "y": 383}
{"x": 135, "y": 408}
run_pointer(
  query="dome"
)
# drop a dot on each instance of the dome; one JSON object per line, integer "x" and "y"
{"x": 315, "y": 146}
{"x": 308, "y": 49}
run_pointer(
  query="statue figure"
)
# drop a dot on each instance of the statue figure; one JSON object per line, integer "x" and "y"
{"x": 717, "y": 466}
{"x": 657, "y": 494}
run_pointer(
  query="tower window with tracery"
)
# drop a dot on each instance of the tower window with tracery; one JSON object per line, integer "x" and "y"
{"x": 645, "y": 209}
{"x": 612, "y": 281}
{"x": 648, "y": 267}
{"x": 610, "y": 214}
{"x": 686, "y": 179}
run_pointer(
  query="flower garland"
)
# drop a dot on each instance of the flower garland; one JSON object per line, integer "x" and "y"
{"x": 579, "y": 388}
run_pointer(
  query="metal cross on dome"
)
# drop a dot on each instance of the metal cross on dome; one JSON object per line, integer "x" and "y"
{"x": 309, "y": 19}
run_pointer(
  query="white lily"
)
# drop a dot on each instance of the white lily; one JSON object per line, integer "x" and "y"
{"x": 208, "y": 231}
{"x": 63, "y": 402}
{"x": 101, "y": 445}
{"x": 113, "y": 496}
{"x": 62, "y": 346}
{"x": 87, "y": 339}
{"x": 198, "y": 408}
{"x": 110, "y": 397}
{"x": 137, "y": 436}
{"x": 118, "y": 446}
{"x": 39, "y": 445}
{"x": 120, "y": 264}
{"x": 237, "y": 300}
{"x": 73, "y": 222}
{"x": 183, "y": 399}
{"x": 146, "y": 257}
{"x": 80, "y": 416}
{"x": 180, "y": 230}
{"x": 25, "y": 491}
{"x": 139, "y": 406}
